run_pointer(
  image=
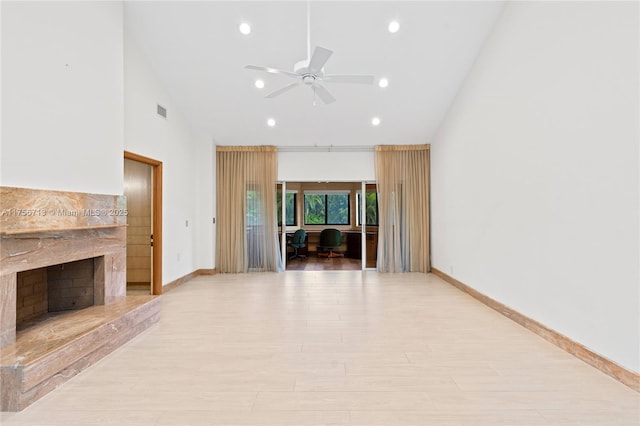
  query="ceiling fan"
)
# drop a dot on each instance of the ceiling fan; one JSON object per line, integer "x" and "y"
{"x": 310, "y": 72}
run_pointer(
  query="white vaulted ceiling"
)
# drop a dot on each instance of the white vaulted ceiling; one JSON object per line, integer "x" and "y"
{"x": 198, "y": 52}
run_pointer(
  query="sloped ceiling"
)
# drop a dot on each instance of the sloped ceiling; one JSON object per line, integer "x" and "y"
{"x": 197, "y": 51}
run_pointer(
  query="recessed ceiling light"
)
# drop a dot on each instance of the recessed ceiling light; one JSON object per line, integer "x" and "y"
{"x": 393, "y": 27}
{"x": 245, "y": 28}
{"x": 259, "y": 84}
{"x": 271, "y": 122}
{"x": 375, "y": 121}
{"x": 383, "y": 82}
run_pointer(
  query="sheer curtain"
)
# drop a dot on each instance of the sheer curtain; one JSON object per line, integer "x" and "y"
{"x": 402, "y": 175}
{"x": 247, "y": 231}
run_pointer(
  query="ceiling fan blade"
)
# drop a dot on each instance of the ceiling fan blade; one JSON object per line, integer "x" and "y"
{"x": 272, "y": 70}
{"x": 342, "y": 78}
{"x": 281, "y": 90}
{"x": 318, "y": 59}
{"x": 323, "y": 94}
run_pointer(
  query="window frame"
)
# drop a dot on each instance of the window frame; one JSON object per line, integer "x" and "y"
{"x": 359, "y": 206}
{"x": 295, "y": 207}
{"x": 325, "y": 195}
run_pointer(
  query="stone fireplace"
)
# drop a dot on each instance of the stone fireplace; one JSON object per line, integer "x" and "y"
{"x": 48, "y": 229}
{"x": 62, "y": 265}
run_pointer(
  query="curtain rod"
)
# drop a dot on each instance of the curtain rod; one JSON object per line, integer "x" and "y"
{"x": 327, "y": 148}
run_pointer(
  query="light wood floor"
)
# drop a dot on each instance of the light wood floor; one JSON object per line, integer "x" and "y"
{"x": 334, "y": 347}
{"x": 315, "y": 263}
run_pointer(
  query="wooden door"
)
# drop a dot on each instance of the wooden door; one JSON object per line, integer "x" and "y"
{"x": 138, "y": 185}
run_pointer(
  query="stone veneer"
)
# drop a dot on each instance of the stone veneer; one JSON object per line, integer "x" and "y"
{"x": 38, "y": 229}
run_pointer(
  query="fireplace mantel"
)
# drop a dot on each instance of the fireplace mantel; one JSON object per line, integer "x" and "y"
{"x": 34, "y": 210}
{"x": 51, "y": 232}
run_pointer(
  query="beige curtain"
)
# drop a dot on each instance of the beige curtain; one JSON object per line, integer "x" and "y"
{"x": 402, "y": 175}
{"x": 247, "y": 233}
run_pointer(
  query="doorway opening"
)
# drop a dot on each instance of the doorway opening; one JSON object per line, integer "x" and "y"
{"x": 143, "y": 189}
{"x": 350, "y": 208}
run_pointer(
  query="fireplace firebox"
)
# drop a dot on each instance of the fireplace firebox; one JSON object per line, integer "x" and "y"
{"x": 57, "y": 288}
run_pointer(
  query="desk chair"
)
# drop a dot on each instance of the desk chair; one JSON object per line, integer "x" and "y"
{"x": 330, "y": 240}
{"x": 297, "y": 242}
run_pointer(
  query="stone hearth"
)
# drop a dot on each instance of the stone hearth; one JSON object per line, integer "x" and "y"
{"x": 39, "y": 229}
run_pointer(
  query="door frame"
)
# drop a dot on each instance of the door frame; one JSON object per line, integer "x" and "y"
{"x": 362, "y": 219}
{"x": 156, "y": 196}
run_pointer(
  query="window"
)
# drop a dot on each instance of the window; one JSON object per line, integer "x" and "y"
{"x": 326, "y": 208}
{"x": 371, "y": 208}
{"x": 290, "y": 208}
{"x": 253, "y": 208}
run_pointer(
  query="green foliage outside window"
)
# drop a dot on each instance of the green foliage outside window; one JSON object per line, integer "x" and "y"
{"x": 338, "y": 209}
{"x": 314, "y": 209}
{"x": 371, "y": 205}
{"x": 326, "y": 209}
{"x": 290, "y": 208}
{"x": 371, "y": 208}
{"x": 253, "y": 207}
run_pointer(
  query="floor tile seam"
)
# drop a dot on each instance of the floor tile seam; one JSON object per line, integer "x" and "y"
{"x": 343, "y": 391}
{"x": 255, "y": 399}
{"x": 460, "y": 412}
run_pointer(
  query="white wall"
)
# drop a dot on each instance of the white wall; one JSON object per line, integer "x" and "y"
{"x": 187, "y": 195}
{"x": 205, "y": 202}
{"x": 62, "y": 97}
{"x": 535, "y": 173}
{"x": 326, "y": 166}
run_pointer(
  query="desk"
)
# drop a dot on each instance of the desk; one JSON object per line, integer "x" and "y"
{"x": 354, "y": 247}
{"x": 351, "y": 244}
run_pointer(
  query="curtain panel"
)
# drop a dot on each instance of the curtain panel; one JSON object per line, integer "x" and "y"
{"x": 402, "y": 177}
{"x": 247, "y": 233}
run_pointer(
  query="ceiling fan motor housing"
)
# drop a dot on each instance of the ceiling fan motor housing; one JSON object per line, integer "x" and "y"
{"x": 308, "y": 79}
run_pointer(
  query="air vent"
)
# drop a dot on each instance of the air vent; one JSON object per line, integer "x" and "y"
{"x": 162, "y": 111}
